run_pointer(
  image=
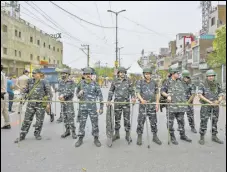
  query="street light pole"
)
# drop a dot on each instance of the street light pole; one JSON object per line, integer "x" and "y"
{"x": 116, "y": 13}
{"x": 120, "y": 56}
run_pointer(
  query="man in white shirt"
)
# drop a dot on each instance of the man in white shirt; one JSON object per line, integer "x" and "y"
{"x": 4, "y": 104}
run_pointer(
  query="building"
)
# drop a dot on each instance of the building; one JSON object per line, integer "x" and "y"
{"x": 181, "y": 42}
{"x": 217, "y": 18}
{"x": 164, "y": 51}
{"x": 23, "y": 46}
{"x": 172, "y": 48}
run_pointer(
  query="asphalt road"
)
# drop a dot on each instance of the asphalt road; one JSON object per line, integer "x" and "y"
{"x": 54, "y": 154}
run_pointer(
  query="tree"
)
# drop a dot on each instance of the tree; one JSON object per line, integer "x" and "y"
{"x": 218, "y": 56}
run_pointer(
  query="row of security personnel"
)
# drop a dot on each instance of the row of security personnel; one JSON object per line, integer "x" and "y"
{"x": 121, "y": 88}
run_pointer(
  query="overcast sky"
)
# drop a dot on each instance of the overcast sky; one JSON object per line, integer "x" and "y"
{"x": 162, "y": 21}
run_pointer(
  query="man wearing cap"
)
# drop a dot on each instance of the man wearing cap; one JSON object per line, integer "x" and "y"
{"x": 174, "y": 91}
{"x": 4, "y": 104}
{"x": 210, "y": 93}
{"x": 37, "y": 89}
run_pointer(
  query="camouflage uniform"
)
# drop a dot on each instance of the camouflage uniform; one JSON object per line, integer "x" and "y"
{"x": 91, "y": 91}
{"x": 66, "y": 91}
{"x": 122, "y": 91}
{"x": 41, "y": 90}
{"x": 175, "y": 89}
{"x": 60, "y": 88}
{"x": 148, "y": 92}
{"x": 190, "y": 91}
{"x": 211, "y": 91}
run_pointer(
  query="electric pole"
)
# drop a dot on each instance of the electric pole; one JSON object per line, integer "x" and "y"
{"x": 88, "y": 54}
{"x": 116, "y": 13}
{"x": 120, "y": 56}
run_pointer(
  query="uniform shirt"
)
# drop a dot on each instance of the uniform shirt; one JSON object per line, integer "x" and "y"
{"x": 121, "y": 89}
{"x": 189, "y": 89}
{"x": 67, "y": 89}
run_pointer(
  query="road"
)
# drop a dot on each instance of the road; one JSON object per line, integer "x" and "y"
{"x": 54, "y": 154}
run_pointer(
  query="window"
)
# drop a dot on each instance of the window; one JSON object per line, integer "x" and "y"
{"x": 4, "y": 50}
{"x": 54, "y": 61}
{"x": 54, "y": 48}
{"x": 44, "y": 44}
{"x": 58, "y": 62}
{"x": 15, "y": 51}
{"x": 49, "y": 46}
{"x": 19, "y": 54}
{"x": 61, "y": 51}
{"x": 31, "y": 39}
{"x": 15, "y": 32}
{"x": 49, "y": 60}
{"x": 58, "y": 50}
{"x": 4, "y": 28}
{"x": 38, "y": 58}
{"x": 180, "y": 46}
{"x": 31, "y": 57}
{"x": 213, "y": 21}
{"x": 38, "y": 42}
{"x": 44, "y": 58}
{"x": 19, "y": 34}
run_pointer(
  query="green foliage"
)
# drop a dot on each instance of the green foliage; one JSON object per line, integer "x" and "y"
{"x": 218, "y": 56}
{"x": 103, "y": 71}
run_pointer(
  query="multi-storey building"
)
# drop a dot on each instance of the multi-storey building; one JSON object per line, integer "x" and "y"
{"x": 23, "y": 46}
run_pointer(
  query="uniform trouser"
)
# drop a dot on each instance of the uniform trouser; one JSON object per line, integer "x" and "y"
{"x": 144, "y": 111}
{"x": 68, "y": 114}
{"x": 118, "y": 109}
{"x": 84, "y": 113}
{"x": 190, "y": 115}
{"x": 180, "y": 120}
{"x": 32, "y": 109}
{"x": 11, "y": 96}
{"x": 205, "y": 114}
{"x": 4, "y": 109}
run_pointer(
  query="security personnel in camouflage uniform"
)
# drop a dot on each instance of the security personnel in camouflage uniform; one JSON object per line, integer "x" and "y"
{"x": 67, "y": 108}
{"x": 122, "y": 88}
{"x": 147, "y": 92}
{"x": 190, "y": 94}
{"x": 211, "y": 93}
{"x": 37, "y": 89}
{"x": 174, "y": 91}
{"x": 59, "y": 89}
{"x": 89, "y": 90}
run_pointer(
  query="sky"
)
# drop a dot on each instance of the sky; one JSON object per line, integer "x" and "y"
{"x": 147, "y": 25}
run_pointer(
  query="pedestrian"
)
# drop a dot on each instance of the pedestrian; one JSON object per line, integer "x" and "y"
{"x": 10, "y": 91}
{"x": 37, "y": 89}
{"x": 210, "y": 93}
{"x": 122, "y": 90}
{"x": 147, "y": 92}
{"x": 190, "y": 90}
{"x": 67, "y": 108}
{"x": 4, "y": 104}
{"x": 23, "y": 80}
{"x": 88, "y": 90}
{"x": 174, "y": 91}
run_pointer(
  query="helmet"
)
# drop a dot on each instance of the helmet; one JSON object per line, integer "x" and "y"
{"x": 186, "y": 73}
{"x": 87, "y": 70}
{"x": 36, "y": 71}
{"x": 121, "y": 69}
{"x": 174, "y": 70}
{"x": 147, "y": 70}
{"x": 169, "y": 70}
{"x": 211, "y": 72}
{"x": 66, "y": 71}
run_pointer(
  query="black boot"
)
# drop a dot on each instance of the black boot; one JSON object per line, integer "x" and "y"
{"x": 59, "y": 120}
{"x": 202, "y": 140}
{"x": 128, "y": 137}
{"x": 139, "y": 139}
{"x": 6, "y": 127}
{"x": 173, "y": 139}
{"x": 185, "y": 138}
{"x": 216, "y": 139}
{"x": 156, "y": 139}
{"x": 193, "y": 130}
{"x": 22, "y": 137}
{"x": 79, "y": 142}
{"x": 116, "y": 135}
{"x": 66, "y": 134}
{"x": 74, "y": 136}
{"x": 97, "y": 142}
